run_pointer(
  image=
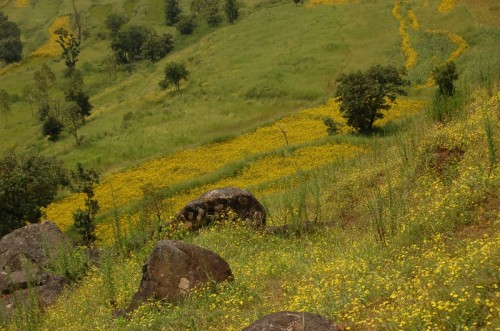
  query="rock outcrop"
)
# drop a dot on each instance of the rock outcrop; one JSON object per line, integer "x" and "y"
{"x": 175, "y": 268}
{"x": 291, "y": 321}
{"x": 24, "y": 256}
{"x": 204, "y": 210}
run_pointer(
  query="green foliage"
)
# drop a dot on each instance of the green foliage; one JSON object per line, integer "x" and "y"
{"x": 362, "y": 96}
{"x": 68, "y": 261}
{"x": 70, "y": 45}
{"x": 52, "y": 127}
{"x": 138, "y": 42}
{"x": 213, "y": 15}
{"x": 332, "y": 127}
{"x": 444, "y": 76}
{"x": 11, "y": 48}
{"x": 174, "y": 73}
{"x": 156, "y": 47}
{"x": 44, "y": 79}
{"x": 27, "y": 182}
{"x": 231, "y": 9}
{"x": 172, "y": 12}
{"x": 75, "y": 93}
{"x": 83, "y": 182}
{"x": 296, "y": 2}
{"x": 114, "y": 22}
{"x": 5, "y": 103}
{"x": 186, "y": 25}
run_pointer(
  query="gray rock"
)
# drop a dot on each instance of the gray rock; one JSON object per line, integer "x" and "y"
{"x": 292, "y": 321}
{"x": 204, "y": 210}
{"x": 175, "y": 268}
{"x": 24, "y": 256}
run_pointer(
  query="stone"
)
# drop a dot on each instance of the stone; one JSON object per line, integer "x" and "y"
{"x": 292, "y": 321}
{"x": 204, "y": 210}
{"x": 174, "y": 268}
{"x": 24, "y": 257}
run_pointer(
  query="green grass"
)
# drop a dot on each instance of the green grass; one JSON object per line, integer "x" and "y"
{"x": 405, "y": 227}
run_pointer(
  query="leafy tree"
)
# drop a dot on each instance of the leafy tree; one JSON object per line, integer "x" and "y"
{"x": 174, "y": 73}
{"x": 362, "y": 95}
{"x": 114, "y": 22}
{"x": 52, "y": 127}
{"x": 70, "y": 45}
{"x": 72, "y": 118}
{"x": 5, "y": 103}
{"x": 27, "y": 183}
{"x": 297, "y": 2}
{"x": 186, "y": 25}
{"x": 44, "y": 80}
{"x": 128, "y": 43}
{"x": 231, "y": 9}
{"x": 156, "y": 47}
{"x": 172, "y": 12}
{"x": 83, "y": 181}
{"x": 29, "y": 95}
{"x": 444, "y": 76}
{"x": 75, "y": 93}
{"x": 11, "y": 48}
{"x": 213, "y": 15}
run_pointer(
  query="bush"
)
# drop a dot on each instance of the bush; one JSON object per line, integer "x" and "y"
{"x": 174, "y": 73}
{"x": 52, "y": 128}
{"x": 186, "y": 25}
{"x": 444, "y": 76}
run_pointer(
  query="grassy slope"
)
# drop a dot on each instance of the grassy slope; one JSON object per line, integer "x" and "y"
{"x": 439, "y": 224}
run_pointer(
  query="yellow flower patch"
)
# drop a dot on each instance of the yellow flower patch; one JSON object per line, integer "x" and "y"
{"x": 313, "y": 3}
{"x": 52, "y": 48}
{"x": 303, "y": 127}
{"x": 410, "y": 53}
{"x": 22, "y": 3}
{"x": 446, "y": 6}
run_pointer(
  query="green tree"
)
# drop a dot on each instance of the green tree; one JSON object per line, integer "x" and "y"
{"x": 44, "y": 79}
{"x": 11, "y": 48}
{"x": 75, "y": 93}
{"x": 157, "y": 47}
{"x": 444, "y": 76}
{"x": 83, "y": 181}
{"x": 231, "y": 9}
{"x": 362, "y": 95}
{"x": 5, "y": 103}
{"x": 174, "y": 73}
{"x": 128, "y": 43}
{"x": 27, "y": 183}
{"x": 213, "y": 15}
{"x": 114, "y": 22}
{"x": 186, "y": 25}
{"x": 70, "y": 45}
{"x": 172, "y": 12}
{"x": 52, "y": 127}
{"x": 72, "y": 119}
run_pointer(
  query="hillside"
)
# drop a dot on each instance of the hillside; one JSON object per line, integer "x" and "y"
{"x": 393, "y": 230}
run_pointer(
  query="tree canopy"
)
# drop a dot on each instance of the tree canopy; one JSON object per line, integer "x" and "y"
{"x": 11, "y": 48}
{"x": 362, "y": 95}
{"x": 444, "y": 76}
{"x": 27, "y": 182}
{"x": 174, "y": 73}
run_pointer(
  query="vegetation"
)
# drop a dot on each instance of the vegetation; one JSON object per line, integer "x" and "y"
{"x": 174, "y": 73}
{"x": 83, "y": 182}
{"x": 114, "y": 23}
{"x": 186, "y": 25}
{"x": 27, "y": 183}
{"x": 231, "y": 9}
{"x": 363, "y": 96}
{"x": 172, "y": 12}
{"x": 419, "y": 194}
{"x": 445, "y": 75}
{"x": 11, "y": 47}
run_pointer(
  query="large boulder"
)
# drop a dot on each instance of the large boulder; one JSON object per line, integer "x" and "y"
{"x": 174, "y": 269}
{"x": 292, "y": 321}
{"x": 24, "y": 257}
{"x": 204, "y": 210}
